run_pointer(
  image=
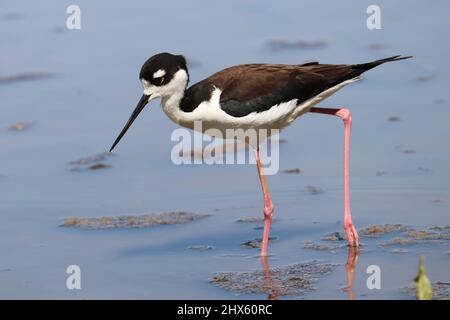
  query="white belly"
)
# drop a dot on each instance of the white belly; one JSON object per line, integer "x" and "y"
{"x": 279, "y": 116}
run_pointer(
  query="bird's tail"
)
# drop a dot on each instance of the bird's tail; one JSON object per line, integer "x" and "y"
{"x": 373, "y": 64}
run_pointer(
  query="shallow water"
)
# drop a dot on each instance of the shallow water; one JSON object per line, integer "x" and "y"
{"x": 80, "y": 108}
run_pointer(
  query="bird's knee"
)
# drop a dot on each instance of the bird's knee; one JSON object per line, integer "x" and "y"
{"x": 268, "y": 211}
{"x": 345, "y": 114}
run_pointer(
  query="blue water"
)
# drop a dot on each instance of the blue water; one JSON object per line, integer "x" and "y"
{"x": 80, "y": 109}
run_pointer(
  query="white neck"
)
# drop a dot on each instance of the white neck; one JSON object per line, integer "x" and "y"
{"x": 172, "y": 94}
{"x": 171, "y": 106}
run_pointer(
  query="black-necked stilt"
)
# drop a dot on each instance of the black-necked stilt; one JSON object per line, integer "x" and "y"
{"x": 256, "y": 96}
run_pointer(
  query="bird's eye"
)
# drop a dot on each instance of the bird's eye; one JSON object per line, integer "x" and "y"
{"x": 158, "y": 80}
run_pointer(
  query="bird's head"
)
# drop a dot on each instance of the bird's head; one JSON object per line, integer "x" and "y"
{"x": 162, "y": 75}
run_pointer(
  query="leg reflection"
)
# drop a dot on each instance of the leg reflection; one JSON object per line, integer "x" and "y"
{"x": 350, "y": 266}
{"x": 268, "y": 283}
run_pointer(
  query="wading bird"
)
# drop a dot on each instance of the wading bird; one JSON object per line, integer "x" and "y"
{"x": 252, "y": 96}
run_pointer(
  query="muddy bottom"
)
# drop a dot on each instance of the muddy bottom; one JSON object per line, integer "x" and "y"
{"x": 294, "y": 280}
{"x": 404, "y": 235}
{"x": 20, "y": 126}
{"x": 24, "y": 77}
{"x": 279, "y": 44}
{"x": 441, "y": 290}
{"x": 253, "y": 244}
{"x": 142, "y": 221}
{"x": 93, "y": 163}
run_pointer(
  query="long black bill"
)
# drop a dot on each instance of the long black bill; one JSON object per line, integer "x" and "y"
{"x": 141, "y": 104}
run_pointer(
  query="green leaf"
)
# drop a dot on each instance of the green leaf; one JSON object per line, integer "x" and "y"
{"x": 422, "y": 283}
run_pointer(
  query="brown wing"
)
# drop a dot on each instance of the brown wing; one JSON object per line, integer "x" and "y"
{"x": 258, "y": 87}
{"x": 249, "y": 81}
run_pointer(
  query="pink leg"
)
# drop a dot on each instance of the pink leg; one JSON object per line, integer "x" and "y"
{"x": 345, "y": 115}
{"x": 268, "y": 206}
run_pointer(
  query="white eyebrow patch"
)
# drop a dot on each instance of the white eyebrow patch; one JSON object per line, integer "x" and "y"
{"x": 160, "y": 73}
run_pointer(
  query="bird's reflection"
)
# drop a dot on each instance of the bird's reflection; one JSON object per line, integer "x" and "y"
{"x": 350, "y": 267}
{"x": 268, "y": 283}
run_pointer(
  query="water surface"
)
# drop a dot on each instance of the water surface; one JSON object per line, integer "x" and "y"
{"x": 93, "y": 86}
